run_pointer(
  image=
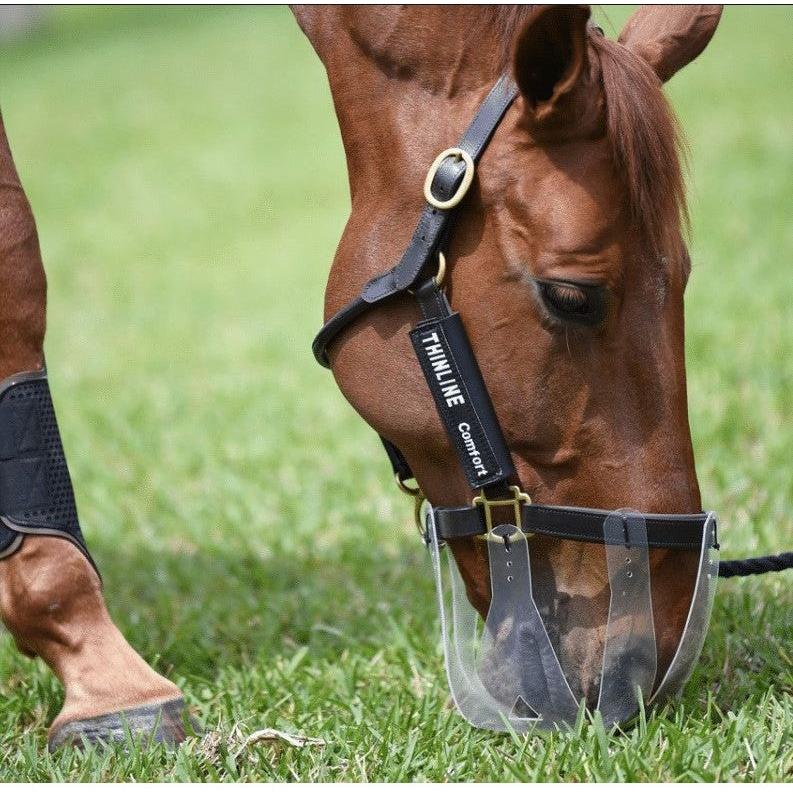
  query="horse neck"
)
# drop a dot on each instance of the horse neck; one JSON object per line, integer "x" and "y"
{"x": 405, "y": 82}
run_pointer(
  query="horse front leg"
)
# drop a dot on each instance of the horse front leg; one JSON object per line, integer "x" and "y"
{"x": 50, "y": 594}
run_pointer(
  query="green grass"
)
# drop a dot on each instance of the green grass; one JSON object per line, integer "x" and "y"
{"x": 189, "y": 184}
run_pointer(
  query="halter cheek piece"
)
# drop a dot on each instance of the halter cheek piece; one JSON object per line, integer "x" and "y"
{"x": 453, "y": 375}
{"x": 36, "y": 494}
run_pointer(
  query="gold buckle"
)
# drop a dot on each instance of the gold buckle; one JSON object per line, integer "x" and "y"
{"x": 518, "y": 498}
{"x": 460, "y": 154}
{"x": 418, "y": 500}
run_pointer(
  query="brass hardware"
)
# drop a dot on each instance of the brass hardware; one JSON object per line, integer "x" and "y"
{"x": 407, "y": 489}
{"x": 460, "y": 154}
{"x": 441, "y": 274}
{"x": 518, "y": 498}
{"x": 418, "y": 501}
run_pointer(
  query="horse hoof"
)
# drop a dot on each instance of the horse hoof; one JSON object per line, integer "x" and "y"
{"x": 166, "y": 722}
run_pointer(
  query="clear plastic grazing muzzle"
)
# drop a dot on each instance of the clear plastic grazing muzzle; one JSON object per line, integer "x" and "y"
{"x": 504, "y": 671}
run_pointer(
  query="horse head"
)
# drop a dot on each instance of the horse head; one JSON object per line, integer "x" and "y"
{"x": 568, "y": 267}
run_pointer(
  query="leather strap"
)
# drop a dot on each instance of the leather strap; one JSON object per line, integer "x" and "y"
{"x": 680, "y": 532}
{"x": 417, "y": 263}
{"x": 398, "y": 462}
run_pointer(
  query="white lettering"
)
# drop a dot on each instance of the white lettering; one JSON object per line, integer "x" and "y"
{"x": 464, "y": 428}
{"x": 436, "y": 355}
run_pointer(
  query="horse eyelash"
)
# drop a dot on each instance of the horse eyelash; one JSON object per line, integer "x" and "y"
{"x": 558, "y": 315}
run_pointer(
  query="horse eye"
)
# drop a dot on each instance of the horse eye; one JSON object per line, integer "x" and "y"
{"x": 578, "y": 303}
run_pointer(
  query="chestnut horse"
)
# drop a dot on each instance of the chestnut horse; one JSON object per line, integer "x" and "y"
{"x": 582, "y": 183}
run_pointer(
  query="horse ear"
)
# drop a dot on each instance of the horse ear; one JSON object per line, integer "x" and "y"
{"x": 550, "y": 56}
{"x": 669, "y": 37}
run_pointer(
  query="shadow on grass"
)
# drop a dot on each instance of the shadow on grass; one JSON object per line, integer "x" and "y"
{"x": 193, "y": 614}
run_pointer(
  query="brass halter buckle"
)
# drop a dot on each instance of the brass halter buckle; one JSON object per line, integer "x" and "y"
{"x": 518, "y": 499}
{"x": 459, "y": 154}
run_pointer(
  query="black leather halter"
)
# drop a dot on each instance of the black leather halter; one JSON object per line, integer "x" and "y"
{"x": 453, "y": 375}
{"x": 419, "y": 262}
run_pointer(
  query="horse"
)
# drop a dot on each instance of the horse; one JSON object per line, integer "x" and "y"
{"x": 568, "y": 268}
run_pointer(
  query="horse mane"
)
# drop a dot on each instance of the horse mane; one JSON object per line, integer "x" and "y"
{"x": 647, "y": 144}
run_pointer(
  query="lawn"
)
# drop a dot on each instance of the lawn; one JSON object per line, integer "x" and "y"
{"x": 188, "y": 180}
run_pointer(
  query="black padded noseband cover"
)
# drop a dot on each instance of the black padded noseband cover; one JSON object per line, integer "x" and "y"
{"x": 462, "y": 399}
{"x": 36, "y": 494}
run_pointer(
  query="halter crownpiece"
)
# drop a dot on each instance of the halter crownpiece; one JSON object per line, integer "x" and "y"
{"x": 505, "y": 671}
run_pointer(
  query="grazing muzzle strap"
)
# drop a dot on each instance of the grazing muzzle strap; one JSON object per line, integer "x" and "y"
{"x": 36, "y": 494}
{"x": 675, "y": 532}
{"x": 459, "y": 391}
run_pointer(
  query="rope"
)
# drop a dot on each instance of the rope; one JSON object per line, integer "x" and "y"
{"x": 756, "y": 566}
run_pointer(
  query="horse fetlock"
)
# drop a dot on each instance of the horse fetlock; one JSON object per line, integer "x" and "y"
{"x": 48, "y": 592}
{"x": 51, "y": 601}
